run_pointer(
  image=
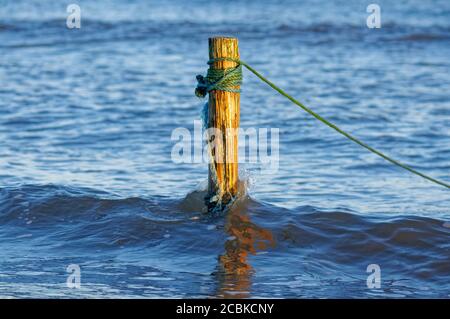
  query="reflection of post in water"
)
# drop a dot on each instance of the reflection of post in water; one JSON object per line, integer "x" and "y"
{"x": 246, "y": 238}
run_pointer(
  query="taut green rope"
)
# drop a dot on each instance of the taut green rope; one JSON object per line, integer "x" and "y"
{"x": 231, "y": 82}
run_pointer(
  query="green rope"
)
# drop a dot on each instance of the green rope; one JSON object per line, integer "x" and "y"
{"x": 219, "y": 79}
{"x": 230, "y": 82}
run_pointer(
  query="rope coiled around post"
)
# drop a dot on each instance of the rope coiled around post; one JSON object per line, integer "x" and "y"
{"x": 228, "y": 79}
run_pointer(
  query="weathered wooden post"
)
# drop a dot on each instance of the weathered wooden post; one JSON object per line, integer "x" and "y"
{"x": 223, "y": 115}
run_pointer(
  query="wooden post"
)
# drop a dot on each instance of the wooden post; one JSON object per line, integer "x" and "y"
{"x": 223, "y": 115}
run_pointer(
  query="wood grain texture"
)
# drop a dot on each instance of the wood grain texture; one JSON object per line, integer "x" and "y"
{"x": 223, "y": 114}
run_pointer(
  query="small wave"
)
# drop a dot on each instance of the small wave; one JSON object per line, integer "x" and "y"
{"x": 423, "y": 37}
{"x": 23, "y": 33}
{"x": 85, "y": 220}
{"x": 8, "y": 27}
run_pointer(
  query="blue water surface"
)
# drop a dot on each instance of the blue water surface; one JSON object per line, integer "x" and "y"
{"x": 87, "y": 178}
